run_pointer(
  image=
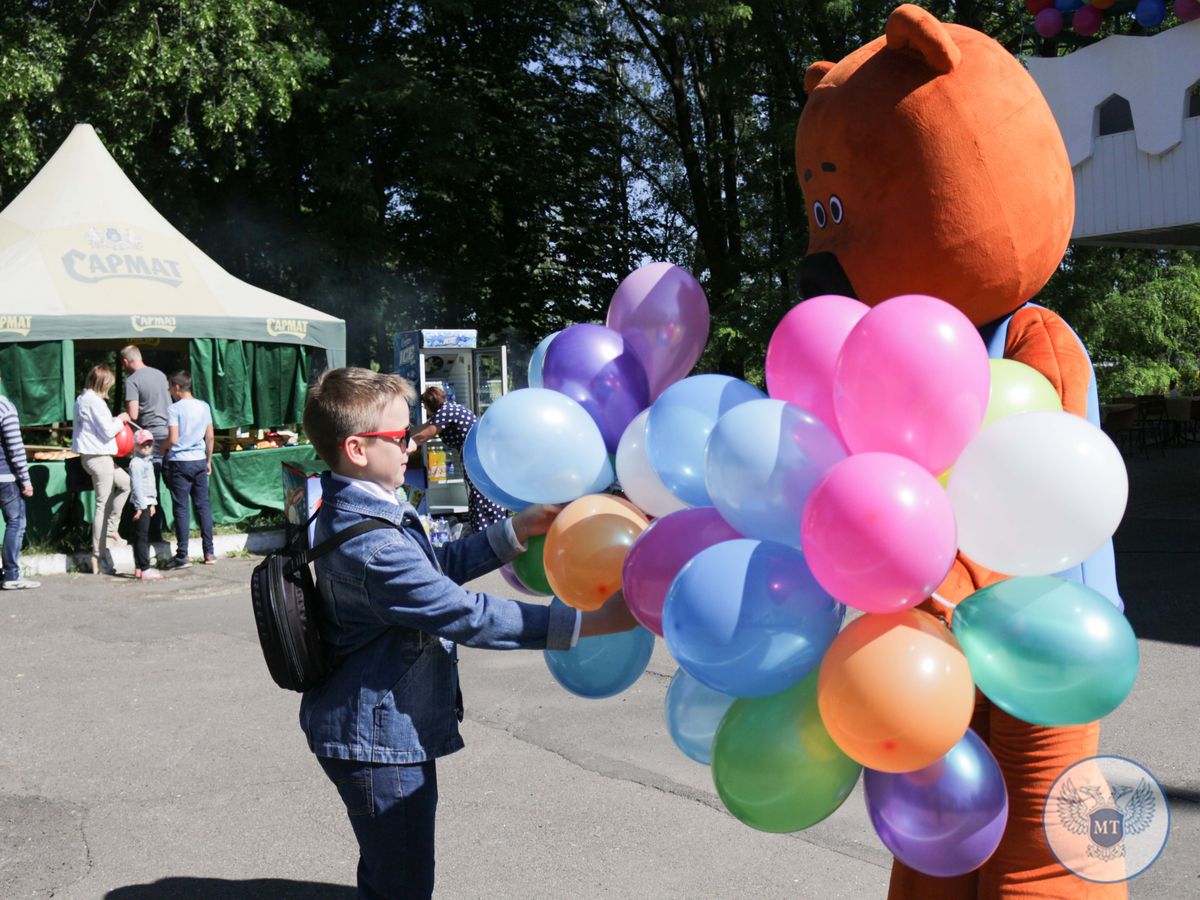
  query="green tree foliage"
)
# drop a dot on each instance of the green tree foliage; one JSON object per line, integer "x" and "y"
{"x": 1137, "y": 311}
{"x": 498, "y": 166}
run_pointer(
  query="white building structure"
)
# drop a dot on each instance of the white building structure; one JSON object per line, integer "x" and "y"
{"x": 1129, "y": 111}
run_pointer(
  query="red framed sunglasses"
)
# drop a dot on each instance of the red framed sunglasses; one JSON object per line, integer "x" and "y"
{"x": 400, "y": 438}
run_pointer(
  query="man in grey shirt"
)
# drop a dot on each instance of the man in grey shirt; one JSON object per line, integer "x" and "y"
{"x": 146, "y": 400}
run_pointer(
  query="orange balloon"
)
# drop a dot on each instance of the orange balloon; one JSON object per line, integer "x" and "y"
{"x": 895, "y": 691}
{"x": 586, "y": 548}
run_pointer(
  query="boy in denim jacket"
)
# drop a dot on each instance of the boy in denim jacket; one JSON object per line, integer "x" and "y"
{"x": 392, "y": 610}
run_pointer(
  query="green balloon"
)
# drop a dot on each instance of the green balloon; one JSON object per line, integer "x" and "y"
{"x": 775, "y": 766}
{"x": 1046, "y": 650}
{"x": 529, "y": 567}
{"x": 1017, "y": 388}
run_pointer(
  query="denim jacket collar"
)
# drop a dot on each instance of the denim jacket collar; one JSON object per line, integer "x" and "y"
{"x": 345, "y": 496}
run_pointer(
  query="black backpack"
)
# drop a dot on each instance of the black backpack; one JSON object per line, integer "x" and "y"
{"x": 286, "y": 606}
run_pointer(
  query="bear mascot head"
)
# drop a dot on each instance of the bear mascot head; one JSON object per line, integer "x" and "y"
{"x": 931, "y": 164}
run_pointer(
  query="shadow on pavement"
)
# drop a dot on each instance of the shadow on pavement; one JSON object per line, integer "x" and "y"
{"x": 221, "y": 889}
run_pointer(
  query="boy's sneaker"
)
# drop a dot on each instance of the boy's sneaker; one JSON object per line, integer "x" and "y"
{"x": 178, "y": 562}
{"x": 148, "y": 574}
{"x": 21, "y": 584}
{"x": 209, "y": 559}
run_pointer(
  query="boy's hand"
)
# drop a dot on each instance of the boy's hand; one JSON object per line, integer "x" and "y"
{"x": 613, "y": 617}
{"x": 137, "y": 514}
{"x": 535, "y": 520}
{"x": 153, "y": 510}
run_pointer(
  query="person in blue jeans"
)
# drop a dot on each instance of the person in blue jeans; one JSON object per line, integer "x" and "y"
{"x": 187, "y": 463}
{"x": 15, "y": 486}
{"x": 391, "y": 612}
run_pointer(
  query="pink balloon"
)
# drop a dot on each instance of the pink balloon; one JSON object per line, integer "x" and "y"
{"x": 803, "y": 353}
{"x": 1087, "y": 21}
{"x": 1048, "y": 22}
{"x": 912, "y": 379}
{"x": 1187, "y": 10}
{"x": 661, "y": 551}
{"x": 661, "y": 311}
{"x": 878, "y": 532}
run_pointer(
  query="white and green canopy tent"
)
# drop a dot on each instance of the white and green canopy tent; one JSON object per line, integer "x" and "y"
{"x": 83, "y": 255}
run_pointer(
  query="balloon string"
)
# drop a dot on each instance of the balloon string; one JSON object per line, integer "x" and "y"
{"x": 937, "y": 598}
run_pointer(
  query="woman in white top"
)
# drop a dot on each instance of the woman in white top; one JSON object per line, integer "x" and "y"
{"x": 95, "y": 440}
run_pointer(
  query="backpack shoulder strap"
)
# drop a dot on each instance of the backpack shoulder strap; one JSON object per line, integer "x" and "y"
{"x": 331, "y": 544}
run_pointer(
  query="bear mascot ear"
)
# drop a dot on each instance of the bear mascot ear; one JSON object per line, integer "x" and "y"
{"x": 815, "y": 73}
{"x": 912, "y": 30}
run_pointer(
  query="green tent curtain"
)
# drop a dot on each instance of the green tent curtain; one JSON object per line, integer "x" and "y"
{"x": 247, "y": 383}
{"x": 243, "y": 484}
{"x": 39, "y": 378}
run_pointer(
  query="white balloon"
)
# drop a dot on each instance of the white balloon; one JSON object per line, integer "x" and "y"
{"x": 637, "y": 477}
{"x": 1037, "y": 493}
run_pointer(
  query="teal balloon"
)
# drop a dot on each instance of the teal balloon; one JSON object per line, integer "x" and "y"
{"x": 537, "y": 358}
{"x": 601, "y": 666}
{"x": 774, "y": 764}
{"x": 1048, "y": 651}
{"x": 693, "y": 713}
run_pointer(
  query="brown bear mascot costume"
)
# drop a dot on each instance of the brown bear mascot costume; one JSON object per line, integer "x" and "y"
{"x": 931, "y": 164}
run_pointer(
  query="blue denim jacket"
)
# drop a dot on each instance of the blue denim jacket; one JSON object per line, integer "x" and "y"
{"x": 391, "y": 612}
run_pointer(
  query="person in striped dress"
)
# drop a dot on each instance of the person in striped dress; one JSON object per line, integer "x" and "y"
{"x": 452, "y": 422}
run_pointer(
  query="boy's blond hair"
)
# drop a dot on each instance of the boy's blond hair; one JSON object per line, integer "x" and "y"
{"x": 349, "y": 401}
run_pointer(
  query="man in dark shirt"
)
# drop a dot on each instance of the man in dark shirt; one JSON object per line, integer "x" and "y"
{"x": 146, "y": 400}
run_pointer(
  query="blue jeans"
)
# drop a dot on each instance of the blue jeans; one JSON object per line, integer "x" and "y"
{"x": 12, "y": 504}
{"x": 188, "y": 480}
{"x": 392, "y": 810}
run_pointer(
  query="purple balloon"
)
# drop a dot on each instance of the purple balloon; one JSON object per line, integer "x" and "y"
{"x": 946, "y": 819}
{"x": 661, "y": 551}
{"x": 514, "y": 582}
{"x": 595, "y": 367}
{"x": 661, "y": 310}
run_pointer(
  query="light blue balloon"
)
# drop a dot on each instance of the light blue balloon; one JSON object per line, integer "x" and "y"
{"x": 541, "y": 446}
{"x": 678, "y": 426}
{"x": 762, "y": 460}
{"x": 537, "y": 358}
{"x": 602, "y": 666}
{"x": 1048, "y": 651}
{"x": 747, "y": 618}
{"x": 480, "y": 479}
{"x": 693, "y": 713}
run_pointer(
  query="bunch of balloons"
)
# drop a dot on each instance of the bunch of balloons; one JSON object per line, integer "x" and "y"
{"x": 558, "y": 441}
{"x": 887, "y": 444}
{"x": 1051, "y": 16}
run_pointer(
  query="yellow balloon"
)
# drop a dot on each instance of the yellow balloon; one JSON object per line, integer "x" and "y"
{"x": 1018, "y": 388}
{"x": 586, "y": 548}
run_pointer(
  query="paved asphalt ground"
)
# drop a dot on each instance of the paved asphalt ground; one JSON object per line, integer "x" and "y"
{"x": 144, "y": 753}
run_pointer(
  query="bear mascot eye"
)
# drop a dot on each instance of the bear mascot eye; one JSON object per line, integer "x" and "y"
{"x": 819, "y": 214}
{"x": 835, "y": 209}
